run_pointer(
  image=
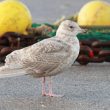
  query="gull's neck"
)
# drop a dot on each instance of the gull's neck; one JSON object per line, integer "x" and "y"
{"x": 67, "y": 37}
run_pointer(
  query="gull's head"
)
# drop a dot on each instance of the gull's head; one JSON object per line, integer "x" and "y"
{"x": 69, "y": 28}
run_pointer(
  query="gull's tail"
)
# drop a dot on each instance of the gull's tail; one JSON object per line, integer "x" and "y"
{"x": 5, "y": 71}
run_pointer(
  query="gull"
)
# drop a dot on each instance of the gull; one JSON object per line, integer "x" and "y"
{"x": 46, "y": 58}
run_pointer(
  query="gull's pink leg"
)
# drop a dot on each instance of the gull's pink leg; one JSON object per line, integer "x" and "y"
{"x": 43, "y": 87}
{"x": 51, "y": 94}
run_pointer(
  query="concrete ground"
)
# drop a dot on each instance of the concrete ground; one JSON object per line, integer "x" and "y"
{"x": 51, "y": 10}
{"x": 84, "y": 87}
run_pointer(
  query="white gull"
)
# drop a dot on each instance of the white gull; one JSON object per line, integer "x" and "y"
{"x": 46, "y": 58}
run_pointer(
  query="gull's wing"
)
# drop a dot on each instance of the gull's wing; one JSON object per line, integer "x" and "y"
{"x": 40, "y": 58}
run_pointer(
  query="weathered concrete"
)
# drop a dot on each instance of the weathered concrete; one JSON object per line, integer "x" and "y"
{"x": 84, "y": 88}
{"x": 50, "y": 10}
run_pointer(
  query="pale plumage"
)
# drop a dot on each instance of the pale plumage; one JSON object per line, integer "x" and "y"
{"x": 47, "y": 57}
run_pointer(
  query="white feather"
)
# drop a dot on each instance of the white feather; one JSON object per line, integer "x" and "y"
{"x": 46, "y": 58}
{"x": 7, "y": 72}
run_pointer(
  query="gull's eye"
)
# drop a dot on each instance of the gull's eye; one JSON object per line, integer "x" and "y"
{"x": 71, "y": 27}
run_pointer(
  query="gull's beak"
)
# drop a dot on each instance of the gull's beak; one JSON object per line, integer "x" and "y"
{"x": 83, "y": 30}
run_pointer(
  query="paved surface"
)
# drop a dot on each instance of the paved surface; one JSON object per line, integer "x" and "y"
{"x": 50, "y": 10}
{"x": 84, "y": 87}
